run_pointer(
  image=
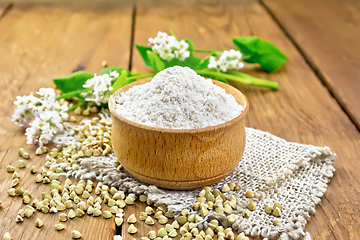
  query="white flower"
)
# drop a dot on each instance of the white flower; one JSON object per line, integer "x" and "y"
{"x": 53, "y": 120}
{"x": 47, "y": 94}
{"x": 100, "y": 87}
{"x": 240, "y": 65}
{"x": 151, "y": 42}
{"x": 212, "y": 62}
{"x": 62, "y": 111}
{"x": 48, "y": 103}
{"x": 33, "y": 133}
{"x": 38, "y": 133}
{"x": 184, "y": 55}
{"x": 162, "y": 35}
{"x": 24, "y": 110}
{"x": 232, "y": 54}
{"x": 183, "y": 46}
{"x": 171, "y": 40}
{"x": 43, "y": 128}
{"x": 223, "y": 66}
{"x": 229, "y": 60}
{"x": 168, "y": 47}
{"x": 45, "y": 113}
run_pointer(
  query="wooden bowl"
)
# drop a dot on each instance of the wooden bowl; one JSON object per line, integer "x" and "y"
{"x": 179, "y": 158}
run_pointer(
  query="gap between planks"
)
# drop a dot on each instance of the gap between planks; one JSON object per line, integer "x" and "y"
{"x": 5, "y": 10}
{"x": 313, "y": 67}
{"x": 132, "y": 38}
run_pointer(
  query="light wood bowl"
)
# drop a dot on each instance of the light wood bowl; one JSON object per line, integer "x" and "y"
{"x": 179, "y": 158}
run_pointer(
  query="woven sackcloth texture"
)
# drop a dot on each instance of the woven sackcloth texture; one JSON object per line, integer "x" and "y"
{"x": 295, "y": 175}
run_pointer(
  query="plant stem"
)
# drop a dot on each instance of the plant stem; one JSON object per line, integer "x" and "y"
{"x": 142, "y": 76}
{"x": 76, "y": 106}
{"x": 241, "y": 78}
{"x": 72, "y": 94}
{"x": 135, "y": 73}
{"x": 256, "y": 81}
{"x": 204, "y": 50}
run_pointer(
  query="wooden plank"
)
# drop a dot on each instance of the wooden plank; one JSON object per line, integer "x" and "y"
{"x": 40, "y": 43}
{"x": 301, "y": 111}
{"x": 328, "y": 33}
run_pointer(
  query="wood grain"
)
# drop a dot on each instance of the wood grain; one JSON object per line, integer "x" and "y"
{"x": 328, "y": 34}
{"x": 41, "y": 43}
{"x": 302, "y": 110}
{"x": 45, "y": 42}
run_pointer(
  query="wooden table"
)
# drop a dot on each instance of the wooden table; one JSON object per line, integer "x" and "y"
{"x": 317, "y": 103}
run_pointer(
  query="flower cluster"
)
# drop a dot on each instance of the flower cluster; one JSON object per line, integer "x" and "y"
{"x": 168, "y": 47}
{"x": 229, "y": 60}
{"x": 41, "y": 115}
{"x": 101, "y": 87}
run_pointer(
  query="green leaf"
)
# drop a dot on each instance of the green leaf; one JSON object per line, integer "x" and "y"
{"x": 73, "y": 82}
{"x": 104, "y": 105}
{"x": 143, "y": 52}
{"x": 107, "y": 70}
{"x": 191, "y": 44}
{"x": 191, "y": 62}
{"x": 121, "y": 81}
{"x": 155, "y": 61}
{"x": 257, "y": 50}
{"x": 203, "y": 63}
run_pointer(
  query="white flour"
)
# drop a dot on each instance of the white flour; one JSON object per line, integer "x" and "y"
{"x": 178, "y": 98}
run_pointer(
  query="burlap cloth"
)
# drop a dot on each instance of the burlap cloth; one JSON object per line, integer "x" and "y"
{"x": 295, "y": 175}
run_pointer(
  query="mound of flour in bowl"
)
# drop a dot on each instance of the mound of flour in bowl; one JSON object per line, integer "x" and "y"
{"x": 178, "y": 98}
